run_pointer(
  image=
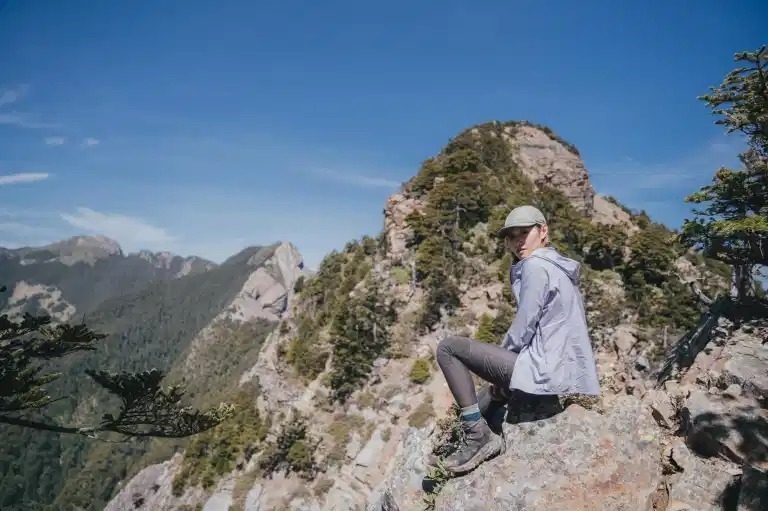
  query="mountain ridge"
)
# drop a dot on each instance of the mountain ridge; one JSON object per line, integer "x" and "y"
{"x": 366, "y": 376}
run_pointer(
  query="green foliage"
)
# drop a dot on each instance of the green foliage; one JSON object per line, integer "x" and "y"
{"x": 605, "y": 246}
{"x": 325, "y": 300}
{"x": 502, "y": 321}
{"x": 733, "y": 225}
{"x": 215, "y": 452}
{"x": 292, "y": 451}
{"x": 146, "y": 408}
{"x": 359, "y": 335}
{"x": 304, "y": 352}
{"x": 651, "y": 257}
{"x": 148, "y": 324}
{"x": 401, "y": 275}
{"x": 420, "y": 371}
{"x": 485, "y": 330}
{"x": 299, "y": 284}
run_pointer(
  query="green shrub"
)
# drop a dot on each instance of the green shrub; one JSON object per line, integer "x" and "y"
{"x": 360, "y": 334}
{"x": 420, "y": 371}
{"x": 421, "y": 415}
{"x": 292, "y": 451}
{"x": 485, "y": 330}
{"x": 215, "y": 452}
{"x": 401, "y": 275}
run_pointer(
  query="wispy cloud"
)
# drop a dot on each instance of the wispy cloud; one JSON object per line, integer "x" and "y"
{"x": 24, "y": 177}
{"x": 647, "y": 178}
{"x": 660, "y": 188}
{"x": 25, "y": 121}
{"x": 8, "y": 96}
{"x": 90, "y": 142}
{"x": 19, "y": 119}
{"x": 354, "y": 179}
{"x": 55, "y": 140}
{"x": 131, "y": 232}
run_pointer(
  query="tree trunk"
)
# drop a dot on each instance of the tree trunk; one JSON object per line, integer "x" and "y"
{"x": 740, "y": 281}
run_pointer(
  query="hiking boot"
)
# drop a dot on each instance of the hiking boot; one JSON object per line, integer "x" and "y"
{"x": 480, "y": 444}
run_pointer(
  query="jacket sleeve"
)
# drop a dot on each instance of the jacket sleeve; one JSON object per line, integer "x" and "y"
{"x": 534, "y": 288}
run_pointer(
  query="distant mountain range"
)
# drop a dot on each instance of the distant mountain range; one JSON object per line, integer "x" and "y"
{"x": 158, "y": 310}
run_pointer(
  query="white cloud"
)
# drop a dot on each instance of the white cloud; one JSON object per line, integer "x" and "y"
{"x": 55, "y": 140}
{"x": 19, "y": 119}
{"x": 24, "y": 177}
{"x": 90, "y": 142}
{"x": 131, "y": 232}
{"x": 24, "y": 121}
{"x": 8, "y": 96}
{"x": 355, "y": 179}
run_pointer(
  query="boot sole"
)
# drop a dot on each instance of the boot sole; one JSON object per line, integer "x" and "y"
{"x": 489, "y": 450}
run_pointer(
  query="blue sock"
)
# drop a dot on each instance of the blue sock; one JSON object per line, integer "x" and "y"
{"x": 471, "y": 413}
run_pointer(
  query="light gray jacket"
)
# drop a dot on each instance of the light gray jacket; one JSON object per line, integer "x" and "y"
{"x": 550, "y": 330}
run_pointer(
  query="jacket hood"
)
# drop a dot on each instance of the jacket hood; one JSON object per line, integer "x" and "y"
{"x": 567, "y": 265}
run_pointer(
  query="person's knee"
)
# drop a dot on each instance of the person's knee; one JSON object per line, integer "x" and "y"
{"x": 450, "y": 346}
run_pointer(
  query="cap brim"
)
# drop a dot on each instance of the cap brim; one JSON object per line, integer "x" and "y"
{"x": 506, "y": 228}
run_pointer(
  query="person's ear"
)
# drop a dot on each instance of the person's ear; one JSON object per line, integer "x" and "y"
{"x": 544, "y": 232}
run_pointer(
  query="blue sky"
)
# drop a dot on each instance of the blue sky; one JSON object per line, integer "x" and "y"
{"x": 201, "y": 127}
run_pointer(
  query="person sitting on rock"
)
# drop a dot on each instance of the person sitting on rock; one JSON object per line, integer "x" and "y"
{"x": 546, "y": 350}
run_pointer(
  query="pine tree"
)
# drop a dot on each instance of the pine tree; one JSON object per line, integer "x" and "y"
{"x": 485, "y": 330}
{"x": 733, "y": 225}
{"x": 147, "y": 410}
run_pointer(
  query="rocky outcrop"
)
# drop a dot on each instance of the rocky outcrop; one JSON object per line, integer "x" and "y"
{"x": 265, "y": 294}
{"x": 578, "y": 459}
{"x": 607, "y": 212}
{"x": 178, "y": 266}
{"x": 698, "y": 444}
{"x": 548, "y": 161}
{"x": 36, "y": 298}
{"x": 269, "y": 288}
{"x": 396, "y": 210}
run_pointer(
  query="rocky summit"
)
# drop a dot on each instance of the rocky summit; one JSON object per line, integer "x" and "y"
{"x": 340, "y": 400}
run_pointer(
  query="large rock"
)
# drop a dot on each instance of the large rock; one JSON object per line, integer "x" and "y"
{"x": 578, "y": 460}
{"x": 221, "y": 499}
{"x": 747, "y": 362}
{"x": 753, "y": 495}
{"x": 396, "y": 210}
{"x": 703, "y": 485}
{"x": 721, "y": 425}
{"x": 404, "y": 489}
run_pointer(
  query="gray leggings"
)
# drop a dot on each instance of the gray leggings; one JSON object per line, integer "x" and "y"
{"x": 458, "y": 356}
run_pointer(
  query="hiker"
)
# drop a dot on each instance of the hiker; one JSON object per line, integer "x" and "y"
{"x": 546, "y": 350}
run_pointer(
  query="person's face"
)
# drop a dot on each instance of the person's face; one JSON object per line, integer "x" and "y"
{"x": 522, "y": 241}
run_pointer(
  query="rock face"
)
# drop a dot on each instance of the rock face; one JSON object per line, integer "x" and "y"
{"x": 27, "y": 296}
{"x": 703, "y": 485}
{"x": 270, "y": 287}
{"x": 547, "y": 161}
{"x": 576, "y": 460}
{"x": 265, "y": 294}
{"x": 396, "y": 210}
{"x": 78, "y": 249}
{"x": 179, "y": 266}
{"x": 607, "y": 213}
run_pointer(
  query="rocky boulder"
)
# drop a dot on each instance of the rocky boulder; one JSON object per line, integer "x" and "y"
{"x": 577, "y": 459}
